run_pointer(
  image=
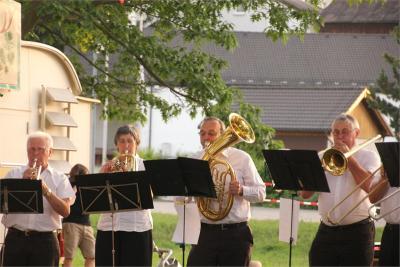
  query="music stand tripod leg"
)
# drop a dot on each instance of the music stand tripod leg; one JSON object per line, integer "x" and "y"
{"x": 108, "y": 186}
{"x": 291, "y": 231}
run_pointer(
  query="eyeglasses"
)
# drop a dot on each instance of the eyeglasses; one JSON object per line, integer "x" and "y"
{"x": 344, "y": 132}
{"x": 210, "y": 133}
{"x": 37, "y": 149}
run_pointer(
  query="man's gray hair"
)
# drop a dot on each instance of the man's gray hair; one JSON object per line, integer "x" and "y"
{"x": 211, "y": 118}
{"x": 41, "y": 135}
{"x": 347, "y": 118}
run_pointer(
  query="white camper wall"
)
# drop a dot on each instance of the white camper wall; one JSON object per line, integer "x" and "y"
{"x": 42, "y": 65}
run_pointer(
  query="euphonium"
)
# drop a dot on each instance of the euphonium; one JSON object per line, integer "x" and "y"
{"x": 238, "y": 130}
{"x": 123, "y": 162}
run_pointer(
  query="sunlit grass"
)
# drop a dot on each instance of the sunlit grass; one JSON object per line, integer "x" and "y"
{"x": 267, "y": 248}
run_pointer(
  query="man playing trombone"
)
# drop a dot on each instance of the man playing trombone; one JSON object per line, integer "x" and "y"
{"x": 389, "y": 199}
{"x": 345, "y": 240}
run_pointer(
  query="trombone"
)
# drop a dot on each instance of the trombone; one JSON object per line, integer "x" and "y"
{"x": 372, "y": 209}
{"x": 335, "y": 161}
{"x": 329, "y": 217}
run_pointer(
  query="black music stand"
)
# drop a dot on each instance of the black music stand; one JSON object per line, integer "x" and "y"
{"x": 296, "y": 170}
{"x": 186, "y": 177}
{"x": 114, "y": 192}
{"x": 21, "y": 196}
{"x": 389, "y": 153}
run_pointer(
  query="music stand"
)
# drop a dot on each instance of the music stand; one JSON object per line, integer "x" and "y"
{"x": 21, "y": 196}
{"x": 114, "y": 192}
{"x": 296, "y": 170}
{"x": 389, "y": 153}
{"x": 182, "y": 176}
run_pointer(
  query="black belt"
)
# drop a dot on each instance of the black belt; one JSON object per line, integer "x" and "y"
{"x": 223, "y": 226}
{"x": 392, "y": 226}
{"x": 16, "y": 231}
{"x": 347, "y": 226}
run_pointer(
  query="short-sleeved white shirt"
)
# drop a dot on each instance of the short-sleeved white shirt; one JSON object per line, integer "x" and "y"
{"x": 341, "y": 186}
{"x": 50, "y": 220}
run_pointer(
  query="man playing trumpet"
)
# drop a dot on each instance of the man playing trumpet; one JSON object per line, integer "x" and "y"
{"x": 345, "y": 240}
{"x": 31, "y": 238}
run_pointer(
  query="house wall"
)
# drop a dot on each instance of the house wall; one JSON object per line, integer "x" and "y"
{"x": 367, "y": 125}
{"x": 308, "y": 141}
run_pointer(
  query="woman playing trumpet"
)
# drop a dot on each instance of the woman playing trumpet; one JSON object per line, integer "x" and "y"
{"x": 131, "y": 243}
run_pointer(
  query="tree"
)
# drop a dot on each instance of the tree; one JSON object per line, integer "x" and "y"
{"x": 385, "y": 96}
{"x": 192, "y": 75}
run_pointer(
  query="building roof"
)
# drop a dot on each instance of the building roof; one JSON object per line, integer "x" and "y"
{"x": 320, "y": 60}
{"x": 301, "y": 109}
{"x": 340, "y": 11}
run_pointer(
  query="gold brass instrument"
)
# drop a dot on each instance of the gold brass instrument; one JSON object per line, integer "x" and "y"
{"x": 36, "y": 170}
{"x": 123, "y": 162}
{"x": 372, "y": 209}
{"x": 335, "y": 161}
{"x": 238, "y": 130}
{"x": 329, "y": 217}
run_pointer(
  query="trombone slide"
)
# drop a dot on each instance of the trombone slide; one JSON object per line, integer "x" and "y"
{"x": 372, "y": 209}
{"x": 329, "y": 215}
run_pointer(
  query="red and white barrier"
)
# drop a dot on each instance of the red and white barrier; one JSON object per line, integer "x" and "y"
{"x": 302, "y": 203}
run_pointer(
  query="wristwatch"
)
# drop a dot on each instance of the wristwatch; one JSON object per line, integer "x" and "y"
{"x": 47, "y": 193}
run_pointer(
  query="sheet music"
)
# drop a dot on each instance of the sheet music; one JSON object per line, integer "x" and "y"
{"x": 192, "y": 223}
{"x": 285, "y": 212}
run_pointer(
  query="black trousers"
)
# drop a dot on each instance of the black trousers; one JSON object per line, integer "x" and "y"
{"x": 219, "y": 246}
{"x": 389, "y": 253}
{"x": 31, "y": 248}
{"x": 131, "y": 248}
{"x": 348, "y": 245}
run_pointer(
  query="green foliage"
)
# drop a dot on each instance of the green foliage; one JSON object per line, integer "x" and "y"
{"x": 193, "y": 76}
{"x": 170, "y": 53}
{"x": 385, "y": 95}
{"x": 149, "y": 154}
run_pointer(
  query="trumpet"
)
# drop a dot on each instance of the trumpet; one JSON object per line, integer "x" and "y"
{"x": 372, "y": 210}
{"x": 123, "y": 162}
{"x": 335, "y": 161}
{"x": 36, "y": 170}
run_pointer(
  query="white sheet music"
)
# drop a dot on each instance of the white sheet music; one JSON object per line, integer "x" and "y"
{"x": 192, "y": 223}
{"x": 285, "y": 213}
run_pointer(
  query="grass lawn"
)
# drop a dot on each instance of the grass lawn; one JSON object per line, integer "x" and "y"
{"x": 267, "y": 248}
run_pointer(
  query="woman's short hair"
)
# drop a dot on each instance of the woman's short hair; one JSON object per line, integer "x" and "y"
{"x": 347, "y": 118}
{"x": 211, "y": 118}
{"x": 41, "y": 135}
{"x": 127, "y": 129}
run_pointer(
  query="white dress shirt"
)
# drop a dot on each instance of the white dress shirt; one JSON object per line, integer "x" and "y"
{"x": 247, "y": 175}
{"x": 49, "y": 220}
{"x": 341, "y": 186}
{"x": 129, "y": 221}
